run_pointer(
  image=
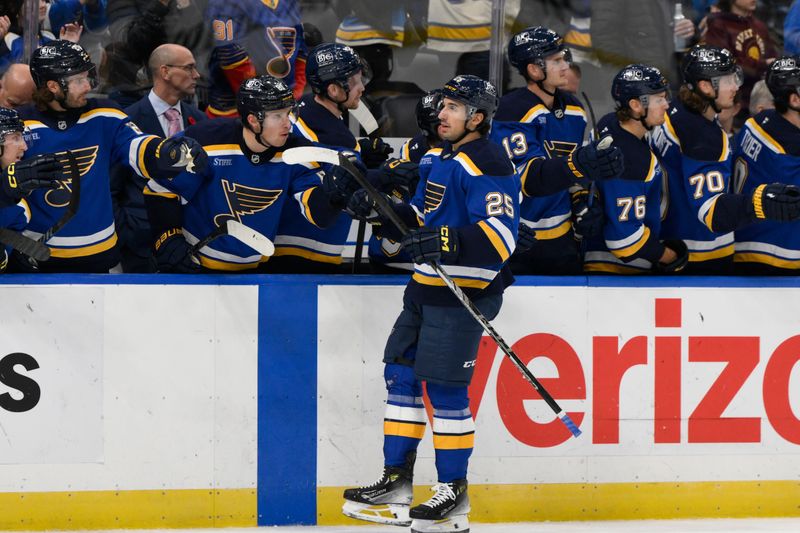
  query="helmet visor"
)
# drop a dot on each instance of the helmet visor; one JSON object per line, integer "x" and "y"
{"x": 732, "y": 80}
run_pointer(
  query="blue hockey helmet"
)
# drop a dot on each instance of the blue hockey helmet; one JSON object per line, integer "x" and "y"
{"x": 477, "y": 94}
{"x": 331, "y": 63}
{"x": 58, "y": 60}
{"x": 260, "y": 94}
{"x": 783, "y": 76}
{"x": 704, "y": 62}
{"x": 637, "y": 81}
{"x": 9, "y": 123}
{"x": 534, "y": 45}
{"x": 428, "y": 112}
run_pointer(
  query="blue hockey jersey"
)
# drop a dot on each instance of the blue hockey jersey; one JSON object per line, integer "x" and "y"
{"x": 632, "y": 205}
{"x": 696, "y": 157}
{"x": 98, "y": 135}
{"x": 296, "y": 236}
{"x": 475, "y": 191}
{"x": 531, "y": 132}
{"x": 767, "y": 150}
{"x": 251, "y": 188}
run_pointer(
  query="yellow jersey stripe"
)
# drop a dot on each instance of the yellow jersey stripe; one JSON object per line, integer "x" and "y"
{"x": 553, "y": 233}
{"x": 766, "y": 136}
{"x": 461, "y": 282}
{"x": 462, "y": 33}
{"x": 698, "y": 257}
{"x": 633, "y": 248}
{"x": 495, "y": 239}
{"x": 83, "y": 251}
{"x": 307, "y": 254}
{"x": 766, "y": 259}
{"x": 140, "y": 157}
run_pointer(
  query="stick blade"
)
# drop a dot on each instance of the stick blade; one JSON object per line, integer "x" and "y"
{"x": 255, "y": 240}
{"x": 364, "y": 117}
{"x": 310, "y": 154}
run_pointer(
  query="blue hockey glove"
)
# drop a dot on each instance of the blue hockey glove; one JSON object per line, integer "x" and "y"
{"x": 679, "y": 263}
{"x": 399, "y": 174}
{"x": 776, "y": 201}
{"x": 593, "y": 163}
{"x": 172, "y": 253}
{"x": 526, "y": 238}
{"x": 428, "y": 244}
{"x": 176, "y": 154}
{"x": 340, "y": 185}
{"x": 373, "y": 151}
{"x": 587, "y": 220}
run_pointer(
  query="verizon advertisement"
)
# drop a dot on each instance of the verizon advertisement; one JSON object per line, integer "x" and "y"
{"x": 51, "y": 368}
{"x": 667, "y": 384}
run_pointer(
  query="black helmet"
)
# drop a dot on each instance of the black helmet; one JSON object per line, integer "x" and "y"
{"x": 709, "y": 63}
{"x": 9, "y": 123}
{"x": 428, "y": 112}
{"x": 260, "y": 94}
{"x": 477, "y": 94}
{"x": 331, "y": 63}
{"x": 533, "y": 45}
{"x": 637, "y": 81}
{"x": 57, "y": 60}
{"x": 783, "y": 76}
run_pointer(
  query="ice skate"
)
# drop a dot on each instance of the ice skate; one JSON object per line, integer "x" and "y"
{"x": 445, "y": 511}
{"x": 387, "y": 501}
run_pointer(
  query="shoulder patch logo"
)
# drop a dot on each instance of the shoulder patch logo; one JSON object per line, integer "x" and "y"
{"x": 243, "y": 200}
{"x": 434, "y": 194}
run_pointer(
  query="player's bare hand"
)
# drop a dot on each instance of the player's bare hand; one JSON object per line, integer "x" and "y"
{"x": 71, "y": 32}
{"x": 5, "y": 24}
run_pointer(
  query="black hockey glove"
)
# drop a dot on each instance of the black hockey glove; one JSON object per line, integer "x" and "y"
{"x": 776, "y": 201}
{"x": 23, "y": 177}
{"x": 362, "y": 207}
{"x": 374, "y": 151}
{"x": 172, "y": 253}
{"x": 436, "y": 243}
{"x": 592, "y": 163}
{"x": 340, "y": 185}
{"x": 176, "y": 154}
{"x": 587, "y": 220}
{"x": 526, "y": 238}
{"x": 399, "y": 174}
{"x": 680, "y": 249}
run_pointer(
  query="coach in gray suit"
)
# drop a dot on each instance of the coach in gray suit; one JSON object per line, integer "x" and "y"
{"x": 164, "y": 112}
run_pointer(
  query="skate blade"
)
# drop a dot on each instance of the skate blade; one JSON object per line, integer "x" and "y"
{"x": 457, "y": 523}
{"x": 386, "y": 513}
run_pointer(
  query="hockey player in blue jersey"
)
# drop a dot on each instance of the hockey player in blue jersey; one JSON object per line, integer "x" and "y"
{"x": 541, "y": 126}
{"x": 335, "y": 74}
{"x": 246, "y": 180}
{"x": 768, "y": 146}
{"x": 466, "y": 213}
{"x": 98, "y": 134}
{"x": 399, "y": 178}
{"x": 632, "y": 202}
{"x": 695, "y": 154}
{"x": 20, "y": 178}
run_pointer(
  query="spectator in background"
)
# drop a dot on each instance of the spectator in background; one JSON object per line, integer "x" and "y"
{"x": 760, "y": 98}
{"x": 736, "y": 29}
{"x": 791, "y": 30}
{"x": 573, "y": 79}
{"x": 252, "y": 38}
{"x": 163, "y": 112}
{"x": 91, "y": 14}
{"x": 12, "y": 22}
{"x": 138, "y": 27}
{"x": 16, "y": 86}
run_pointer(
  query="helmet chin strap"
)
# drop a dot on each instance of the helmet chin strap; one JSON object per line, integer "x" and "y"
{"x": 258, "y": 135}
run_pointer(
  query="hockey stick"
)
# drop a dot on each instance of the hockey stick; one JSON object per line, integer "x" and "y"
{"x": 24, "y": 245}
{"x": 367, "y": 120}
{"x": 255, "y": 240}
{"x": 316, "y": 154}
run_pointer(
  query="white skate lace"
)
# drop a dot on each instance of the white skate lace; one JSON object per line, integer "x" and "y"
{"x": 379, "y": 482}
{"x": 444, "y": 492}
